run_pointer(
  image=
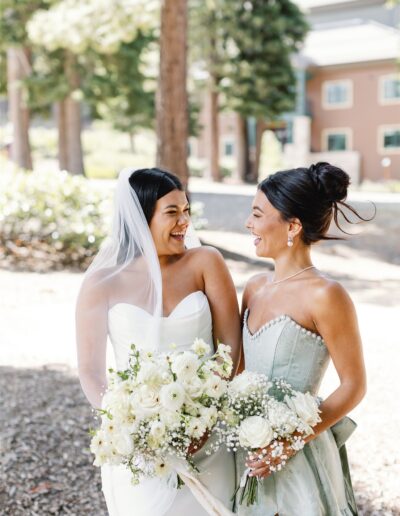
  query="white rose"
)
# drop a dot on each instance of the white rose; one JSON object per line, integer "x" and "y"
{"x": 195, "y": 387}
{"x": 196, "y": 428}
{"x": 185, "y": 365}
{"x": 122, "y": 442}
{"x": 305, "y": 406}
{"x": 172, "y": 396}
{"x": 245, "y": 383}
{"x": 281, "y": 416}
{"x": 255, "y": 432}
{"x": 170, "y": 418}
{"x": 215, "y": 387}
{"x": 146, "y": 401}
{"x": 149, "y": 374}
{"x": 201, "y": 348}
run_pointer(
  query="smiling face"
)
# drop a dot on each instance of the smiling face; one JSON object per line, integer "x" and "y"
{"x": 267, "y": 226}
{"x": 169, "y": 223}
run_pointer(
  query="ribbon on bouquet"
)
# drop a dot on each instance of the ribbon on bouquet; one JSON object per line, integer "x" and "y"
{"x": 243, "y": 478}
{"x": 212, "y": 505}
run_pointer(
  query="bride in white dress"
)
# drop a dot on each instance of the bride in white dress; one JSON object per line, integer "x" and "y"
{"x": 148, "y": 288}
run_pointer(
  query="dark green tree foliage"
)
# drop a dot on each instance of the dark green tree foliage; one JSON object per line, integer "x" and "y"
{"x": 259, "y": 38}
{"x": 46, "y": 83}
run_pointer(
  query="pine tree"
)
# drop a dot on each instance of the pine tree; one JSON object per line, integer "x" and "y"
{"x": 259, "y": 39}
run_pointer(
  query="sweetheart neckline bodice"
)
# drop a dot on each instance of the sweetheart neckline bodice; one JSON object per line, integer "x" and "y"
{"x": 164, "y": 317}
{"x": 276, "y": 320}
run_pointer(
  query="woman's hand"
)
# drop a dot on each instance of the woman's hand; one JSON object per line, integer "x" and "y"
{"x": 273, "y": 458}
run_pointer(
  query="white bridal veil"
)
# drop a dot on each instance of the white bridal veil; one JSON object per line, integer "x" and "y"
{"x": 126, "y": 270}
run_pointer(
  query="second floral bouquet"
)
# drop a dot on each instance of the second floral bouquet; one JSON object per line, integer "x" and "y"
{"x": 258, "y": 414}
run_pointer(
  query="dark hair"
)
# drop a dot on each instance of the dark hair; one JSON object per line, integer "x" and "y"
{"x": 313, "y": 195}
{"x": 150, "y": 184}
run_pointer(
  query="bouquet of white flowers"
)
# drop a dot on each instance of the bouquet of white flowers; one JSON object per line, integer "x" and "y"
{"x": 156, "y": 408}
{"x": 258, "y": 413}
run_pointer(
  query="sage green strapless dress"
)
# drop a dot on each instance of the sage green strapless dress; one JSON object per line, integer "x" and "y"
{"x": 316, "y": 481}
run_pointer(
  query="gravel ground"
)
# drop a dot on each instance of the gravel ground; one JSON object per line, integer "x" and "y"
{"x": 45, "y": 465}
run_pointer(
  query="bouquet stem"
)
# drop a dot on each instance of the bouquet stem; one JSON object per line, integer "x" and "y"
{"x": 249, "y": 492}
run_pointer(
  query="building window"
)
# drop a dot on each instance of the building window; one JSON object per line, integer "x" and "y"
{"x": 229, "y": 148}
{"x": 389, "y": 89}
{"x": 337, "y": 94}
{"x": 389, "y": 139}
{"x": 336, "y": 139}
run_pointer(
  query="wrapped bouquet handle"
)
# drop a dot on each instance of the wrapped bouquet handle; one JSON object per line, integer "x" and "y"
{"x": 212, "y": 505}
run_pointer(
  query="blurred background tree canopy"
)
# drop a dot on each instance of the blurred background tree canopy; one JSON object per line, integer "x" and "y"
{"x": 75, "y": 61}
{"x": 142, "y": 68}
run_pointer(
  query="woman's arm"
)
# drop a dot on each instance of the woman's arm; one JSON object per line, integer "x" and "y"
{"x": 336, "y": 320}
{"x": 221, "y": 294}
{"x": 91, "y": 339}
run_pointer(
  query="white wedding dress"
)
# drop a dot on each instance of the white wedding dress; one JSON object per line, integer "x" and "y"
{"x": 129, "y": 324}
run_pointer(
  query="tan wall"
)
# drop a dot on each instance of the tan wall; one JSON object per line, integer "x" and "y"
{"x": 363, "y": 118}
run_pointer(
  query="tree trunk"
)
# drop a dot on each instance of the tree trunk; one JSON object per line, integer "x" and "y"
{"x": 242, "y": 153}
{"x": 172, "y": 101}
{"x": 18, "y": 68}
{"x": 73, "y": 117}
{"x": 62, "y": 135}
{"x": 255, "y": 166}
{"x": 213, "y": 146}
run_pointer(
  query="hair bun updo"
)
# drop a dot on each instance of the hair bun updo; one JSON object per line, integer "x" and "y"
{"x": 332, "y": 182}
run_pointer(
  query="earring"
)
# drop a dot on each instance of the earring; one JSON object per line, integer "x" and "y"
{"x": 290, "y": 241}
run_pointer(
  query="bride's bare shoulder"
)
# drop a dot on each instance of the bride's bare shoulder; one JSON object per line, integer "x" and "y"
{"x": 206, "y": 255}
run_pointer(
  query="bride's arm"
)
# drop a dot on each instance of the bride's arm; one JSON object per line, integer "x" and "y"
{"x": 91, "y": 339}
{"x": 221, "y": 294}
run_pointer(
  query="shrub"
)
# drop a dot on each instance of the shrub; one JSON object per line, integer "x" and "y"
{"x": 51, "y": 219}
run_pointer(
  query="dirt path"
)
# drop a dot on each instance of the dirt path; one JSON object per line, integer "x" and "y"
{"x": 45, "y": 467}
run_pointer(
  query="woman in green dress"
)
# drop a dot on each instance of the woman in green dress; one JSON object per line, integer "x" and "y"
{"x": 295, "y": 321}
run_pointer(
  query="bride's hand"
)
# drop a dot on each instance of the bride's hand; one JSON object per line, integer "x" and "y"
{"x": 270, "y": 462}
{"x": 198, "y": 444}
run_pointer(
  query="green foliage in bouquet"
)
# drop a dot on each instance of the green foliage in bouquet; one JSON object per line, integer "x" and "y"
{"x": 50, "y": 219}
